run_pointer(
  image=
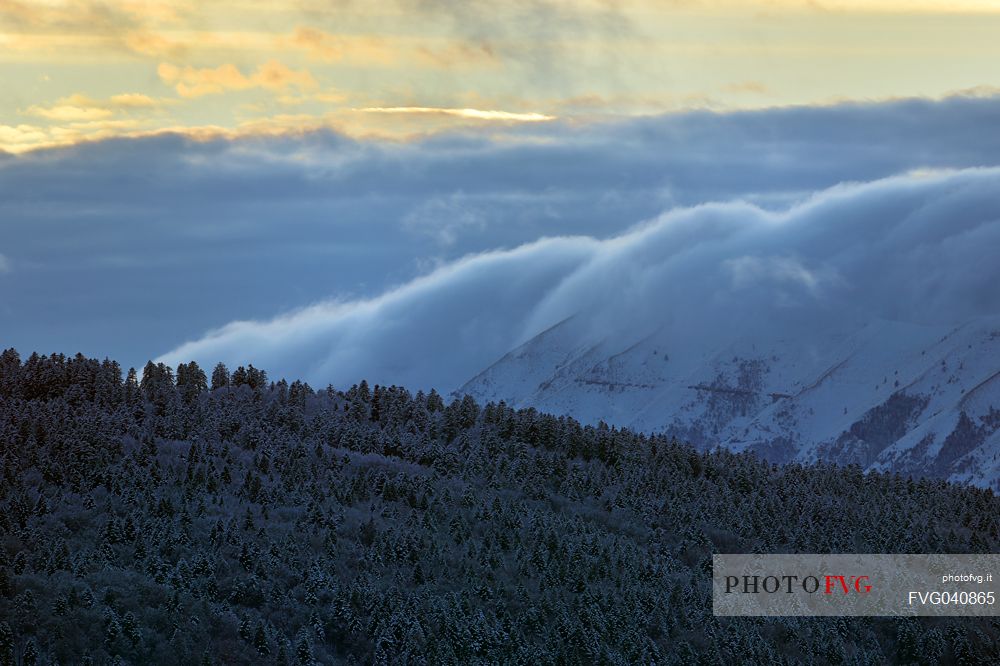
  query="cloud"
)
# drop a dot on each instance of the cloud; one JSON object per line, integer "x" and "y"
{"x": 322, "y": 45}
{"x": 134, "y": 101}
{"x": 215, "y": 227}
{"x": 69, "y": 111}
{"x": 328, "y": 47}
{"x": 531, "y": 37}
{"x": 355, "y": 329}
{"x": 55, "y": 26}
{"x": 5, "y": 266}
{"x": 93, "y": 15}
{"x": 903, "y": 6}
{"x": 75, "y": 14}
{"x": 18, "y": 137}
{"x": 749, "y": 87}
{"x": 446, "y": 218}
{"x": 707, "y": 270}
{"x": 474, "y": 114}
{"x": 376, "y": 50}
{"x": 195, "y": 82}
{"x": 751, "y": 271}
{"x": 458, "y": 54}
{"x": 152, "y": 44}
{"x": 81, "y": 108}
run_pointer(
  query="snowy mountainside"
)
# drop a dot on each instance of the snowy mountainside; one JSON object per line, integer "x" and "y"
{"x": 888, "y": 395}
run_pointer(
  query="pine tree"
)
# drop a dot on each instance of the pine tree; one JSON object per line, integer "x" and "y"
{"x": 132, "y": 393}
{"x": 191, "y": 381}
{"x": 130, "y": 629}
{"x": 112, "y": 628}
{"x": 6, "y": 644}
{"x": 245, "y": 632}
{"x": 30, "y": 655}
{"x": 239, "y": 377}
{"x": 260, "y": 641}
{"x": 220, "y": 376}
{"x": 303, "y": 650}
{"x": 256, "y": 378}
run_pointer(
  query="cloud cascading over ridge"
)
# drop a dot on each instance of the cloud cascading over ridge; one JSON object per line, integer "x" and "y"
{"x": 851, "y": 251}
{"x": 178, "y": 235}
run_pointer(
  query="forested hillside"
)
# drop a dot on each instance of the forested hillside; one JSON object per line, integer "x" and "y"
{"x": 178, "y": 518}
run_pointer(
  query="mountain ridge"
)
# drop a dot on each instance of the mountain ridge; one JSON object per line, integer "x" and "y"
{"x": 891, "y": 395}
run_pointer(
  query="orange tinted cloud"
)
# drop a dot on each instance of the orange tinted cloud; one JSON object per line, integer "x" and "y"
{"x": 277, "y": 77}
{"x": 195, "y": 82}
{"x": 373, "y": 50}
{"x": 748, "y": 87}
{"x": 17, "y": 138}
{"x": 145, "y": 42}
{"x": 328, "y": 47}
{"x": 134, "y": 101}
{"x": 80, "y": 108}
{"x": 318, "y": 43}
{"x": 473, "y": 114}
{"x": 457, "y": 54}
{"x": 72, "y": 108}
{"x": 97, "y": 15}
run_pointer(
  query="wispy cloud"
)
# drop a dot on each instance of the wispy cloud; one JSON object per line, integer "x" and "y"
{"x": 195, "y": 82}
{"x": 81, "y": 108}
{"x": 134, "y": 101}
{"x": 70, "y": 111}
{"x": 475, "y": 114}
{"x": 376, "y": 50}
{"x": 328, "y": 47}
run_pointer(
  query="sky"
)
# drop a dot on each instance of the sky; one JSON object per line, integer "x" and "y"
{"x": 88, "y": 69}
{"x": 402, "y": 190}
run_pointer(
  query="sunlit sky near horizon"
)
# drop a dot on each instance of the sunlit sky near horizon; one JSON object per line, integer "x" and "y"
{"x": 73, "y": 70}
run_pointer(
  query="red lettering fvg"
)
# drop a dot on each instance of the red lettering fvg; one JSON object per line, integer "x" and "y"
{"x": 847, "y": 584}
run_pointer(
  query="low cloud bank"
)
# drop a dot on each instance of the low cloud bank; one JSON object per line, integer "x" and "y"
{"x": 916, "y": 247}
{"x": 126, "y": 248}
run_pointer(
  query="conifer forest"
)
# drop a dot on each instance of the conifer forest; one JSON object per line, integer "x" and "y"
{"x": 221, "y": 516}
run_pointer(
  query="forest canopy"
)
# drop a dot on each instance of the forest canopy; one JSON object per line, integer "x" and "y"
{"x": 185, "y": 515}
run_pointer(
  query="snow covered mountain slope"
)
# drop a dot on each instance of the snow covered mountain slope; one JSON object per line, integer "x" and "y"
{"x": 888, "y": 395}
{"x": 857, "y": 328}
